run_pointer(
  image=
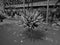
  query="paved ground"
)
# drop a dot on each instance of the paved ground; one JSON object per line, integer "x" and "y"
{"x": 10, "y": 34}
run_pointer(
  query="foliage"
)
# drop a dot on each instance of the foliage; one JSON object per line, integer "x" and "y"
{"x": 32, "y": 22}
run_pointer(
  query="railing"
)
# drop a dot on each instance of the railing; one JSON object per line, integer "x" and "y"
{"x": 34, "y": 4}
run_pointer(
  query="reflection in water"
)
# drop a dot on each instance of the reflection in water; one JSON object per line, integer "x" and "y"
{"x": 34, "y": 35}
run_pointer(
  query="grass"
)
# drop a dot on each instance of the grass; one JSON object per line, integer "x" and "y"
{"x": 34, "y": 35}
